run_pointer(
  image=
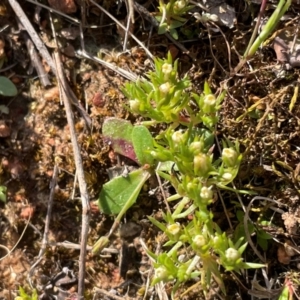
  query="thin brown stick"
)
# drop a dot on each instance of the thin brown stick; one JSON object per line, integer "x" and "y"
{"x": 70, "y": 94}
{"x": 49, "y": 210}
{"x": 36, "y": 61}
{"x": 126, "y": 74}
{"x": 47, "y": 224}
{"x": 130, "y": 21}
{"x": 123, "y": 27}
{"x": 80, "y": 172}
{"x": 34, "y": 36}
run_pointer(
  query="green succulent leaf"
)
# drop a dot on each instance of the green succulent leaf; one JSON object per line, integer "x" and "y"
{"x": 119, "y": 194}
{"x": 175, "y": 24}
{"x": 174, "y": 33}
{"x": 163, "y": 28}
{"x": 142, "y": 143}
{"x": 7, "y": 88}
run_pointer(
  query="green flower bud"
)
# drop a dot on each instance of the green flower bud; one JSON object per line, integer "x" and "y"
{"x": 134, "y": 105}
{"x": 229, "y": 157}
{"x": 232, "y": 255}
{"x": 209, "y": 103}
{"x": 178, "y": 137}
{"x": 217, "y": 242}
{"x": 220, "y": 242}
{"x": 161, "y": 273}
{"x": 181, "y": 190}
{"x": 190, "y": 186}
{"x": 202, "y": 165}
{"x": 178, "y": 5}
{"x": 196, "y": 147}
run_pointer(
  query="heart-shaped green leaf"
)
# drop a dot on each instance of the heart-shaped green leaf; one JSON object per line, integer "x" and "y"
{"x": 120, "y": 193}
{"x": 117, "y": 132}
{"x": 7, "y": 88}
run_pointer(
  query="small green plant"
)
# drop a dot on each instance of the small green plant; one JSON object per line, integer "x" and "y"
{"x": 256, "y": 41}
{"x": 171, "y": 16}
{"x": 268, "y": 29}
{"x": 197, "y": 168}
{"x": 3, "y": 190}
{"x": 7, "y": 88}
{"x": 23, "y": 295}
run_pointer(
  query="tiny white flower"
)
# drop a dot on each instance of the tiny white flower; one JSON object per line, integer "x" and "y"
{"x": 199, "y": 240}
{"x": 210, "y": 100}
{"x": 166, "y": 68}
{"x": 165, "y": 87}
{"x": 229, "y": 152}
{"x": 232, "y": 254}
{"x": 229, "y": 156}
{"x": 177, "y": 137}
{"x": 206, "y": 193}
{"x": 174, "y": 228}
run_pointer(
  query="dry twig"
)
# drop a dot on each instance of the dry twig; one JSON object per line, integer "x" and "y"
{"x": 47, "y": 223}
{"x": 34, "y": 36}
{"x": 36, "y": 61}
{"x": 123, "y": 27}
{"x": 80, "y": 172}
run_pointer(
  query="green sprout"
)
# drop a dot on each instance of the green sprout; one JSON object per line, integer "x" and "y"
{"x": 24, "y": 296}
{"x": 171, "y": 16}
